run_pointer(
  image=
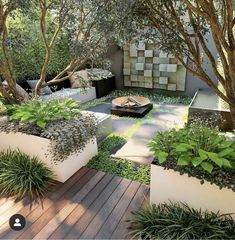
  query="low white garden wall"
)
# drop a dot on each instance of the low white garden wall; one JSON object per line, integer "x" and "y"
{"x": 168, "y": 185}
{"x": 37, "y": 146}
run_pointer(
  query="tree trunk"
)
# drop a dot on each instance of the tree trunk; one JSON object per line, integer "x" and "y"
{"x": 232, "y": 113}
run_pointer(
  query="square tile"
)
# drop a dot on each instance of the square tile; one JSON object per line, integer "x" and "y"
{"x": 127, "y": 71}
{"x": 140, "y": 78}
{"x": 141, "y": 59}
{"x": 133, "y": 50}
{"x": 163, "y": 54}
{"x": 171, "y": 87}
{"x": 156, "y": 60}
{"x": 134, "y": 72}
{"x": 156, "y": 73}
{"x": 141, "y": 45}
{"x": 164, "y": 60}
{"x": 162, "y": 67}
{"x": 127, "y": 83}
{"x": 127, "y": 65}
{"x": 156, "y": 66}
{"x": 133, "y": 77}
{"x": 155, "y": 79}
{"x": 148, "y": 66}
{"x": 148, "y": 53}
{"x": 139, "y": 66}
{"x": 171, "y": 67}
{"x": 148, "y": 73}
{"x": 162, "y": 86}
{"x": 135, "y": 84}
{"x": 163, "y": 80}
{"x": 148, "y": 79}
{"x": 141, "y": 84}
{"x": 148, "y": 85}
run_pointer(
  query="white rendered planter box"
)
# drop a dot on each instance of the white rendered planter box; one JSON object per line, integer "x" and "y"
{"x": 37, "y": 146}
{"x": 168, "y": 185}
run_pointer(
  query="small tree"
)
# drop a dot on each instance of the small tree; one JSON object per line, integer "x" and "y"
{"x": 8, "y": 8}
{"x": 85, "y": 22}
{"x": 181, "y": 27}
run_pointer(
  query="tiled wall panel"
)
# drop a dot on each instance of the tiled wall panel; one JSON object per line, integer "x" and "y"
{"x": 145, "y": 65}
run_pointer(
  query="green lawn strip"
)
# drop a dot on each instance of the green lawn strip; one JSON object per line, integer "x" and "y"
{"x": 119, "y": 167}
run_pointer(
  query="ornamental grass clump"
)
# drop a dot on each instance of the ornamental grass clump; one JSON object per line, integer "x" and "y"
{"x": 21, "y": 175}
{"x": 179, "y": 221}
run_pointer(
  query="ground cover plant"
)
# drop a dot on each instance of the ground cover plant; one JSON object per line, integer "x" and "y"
{"x": 179, "y": 221}
{"x": 120, "y": 167}
{"x": 22, "y": 175}
{"x": 60, "y": 122}
{"x": 154, "y": 95}
{"x": 198, "y": 151}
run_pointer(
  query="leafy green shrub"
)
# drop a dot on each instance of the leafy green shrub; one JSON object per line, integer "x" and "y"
{"x": 41, "y": 113}
{"x": 195, "y": 146}
{"x": 28, "y": 51}
{"x": 171, "y": 152}
{"x": 21, "y": 175}
{"x": 120, "y": 167}
{"x": 179, "y": 221}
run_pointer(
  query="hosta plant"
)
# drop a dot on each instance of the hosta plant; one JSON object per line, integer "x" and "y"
{"x": 22, "y": 175}
{"x": 196, "y": 146}
{"x": 41, "y": 113}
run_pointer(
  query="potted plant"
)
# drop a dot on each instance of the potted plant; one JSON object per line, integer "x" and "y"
{"x": 195, "y": 165}
{"x": 102, "y": 80}
{"x": 55, "y": 132}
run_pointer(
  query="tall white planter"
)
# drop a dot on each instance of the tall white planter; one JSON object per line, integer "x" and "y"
{"x": 168, "y": 185}
{"x": 38, "y": 147}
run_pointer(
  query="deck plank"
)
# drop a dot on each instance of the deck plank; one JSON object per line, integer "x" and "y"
{"x": 68, "y": 202}
{"x": 105, "y": 211}
{"x": 89, "y": 205}
{"x": 85, "y": 220}
{"x": 121, "y": 232}
{"x": 67, "y": 217}
{"x": 32, "y": 215}
{"x": 112, "y": 221}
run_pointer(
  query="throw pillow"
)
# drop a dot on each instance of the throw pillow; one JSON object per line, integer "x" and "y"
{"x": 44, "y": 91}
{"x": 79, "y": 79}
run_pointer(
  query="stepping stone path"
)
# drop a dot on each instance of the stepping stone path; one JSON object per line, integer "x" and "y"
{"x": 165, "y": 118}
{"x": 162, "y": 118}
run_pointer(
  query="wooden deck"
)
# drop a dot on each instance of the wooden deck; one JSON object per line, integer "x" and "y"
{"x": 90, "y": 205}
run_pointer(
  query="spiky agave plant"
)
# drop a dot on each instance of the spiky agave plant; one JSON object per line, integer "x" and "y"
{"x": 21, "y": 175}
{"x": 179, "y": 221}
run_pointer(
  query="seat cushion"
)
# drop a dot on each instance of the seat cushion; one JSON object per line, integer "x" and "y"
{"x": 44, "y": 91}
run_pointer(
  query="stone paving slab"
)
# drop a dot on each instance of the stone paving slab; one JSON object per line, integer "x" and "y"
{"x": 122, "y": 125}
{"x": 165, "y": 118}
{"x": 102, "y": 108}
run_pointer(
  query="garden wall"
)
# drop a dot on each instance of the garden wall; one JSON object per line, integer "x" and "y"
{"x": 116, "y": 55}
